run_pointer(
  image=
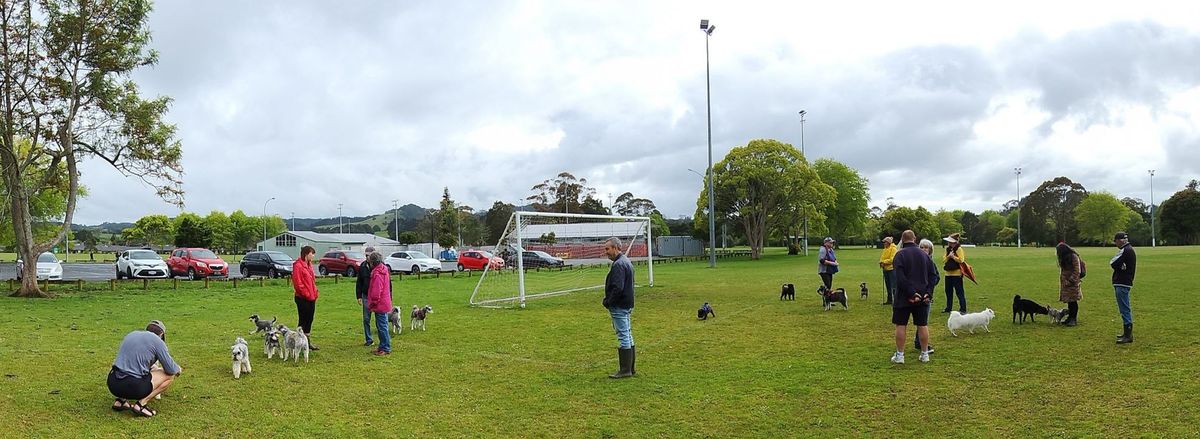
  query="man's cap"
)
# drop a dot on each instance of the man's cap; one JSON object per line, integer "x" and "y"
{"x": 829, "y": 239}
{"x": 1121, "y": 235}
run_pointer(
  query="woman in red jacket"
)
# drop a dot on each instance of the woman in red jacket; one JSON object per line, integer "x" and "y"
{"x": 304, "y": 282}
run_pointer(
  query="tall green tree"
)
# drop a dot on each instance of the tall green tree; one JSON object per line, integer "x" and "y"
{"x": 990, "y": 222}
{"x": 221, "y": 227}
{"x": 763, "y": 186}
{"x": 246, "y": 230}
{"x": 66, "y": 88}
{"x": 496, "y": 220}
{"x": 447, "y": 218}
{"x": 1048, "y": 213}
{"x": 627, "y": 204}
{"x": 152, "y": 230}
{"x": 470, "y": 226}
{"x": 919, "y": 220}
{"x": 847, "y": 216}
{"x": 1180, "y": 216}
{"x": 658, "y": 224}
{"x": 192, "y": 232}
{"x": 947, "y": 224}
{"x": 564, "y": 193}
{"x": 1101, "y": 215}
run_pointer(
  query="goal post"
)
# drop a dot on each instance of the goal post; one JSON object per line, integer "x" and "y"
{"x": 543, "y": 254}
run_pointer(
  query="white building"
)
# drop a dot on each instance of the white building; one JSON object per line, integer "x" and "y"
{"x": 291, "y": 242}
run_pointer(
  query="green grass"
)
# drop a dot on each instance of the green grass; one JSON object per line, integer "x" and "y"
{"x": 762, "y": 368}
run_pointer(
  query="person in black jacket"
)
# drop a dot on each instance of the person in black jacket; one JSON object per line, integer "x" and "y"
{"x": 1124, "y": 266}
{"x": 618, "y": 298}
{"x": 361, "y": 285}
{"x": 915, "y": 278}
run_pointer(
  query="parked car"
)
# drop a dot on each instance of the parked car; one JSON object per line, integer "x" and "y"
{"x": 196, "y": 263}
{"x": 538, "y": 258}
{"x": 341, "y": 261}
{"x": 477, "y": 259}
{"x": 412, "y": 262}
{"x": 270, "y": 264}
{"x": 135, "y": 264}
{"x": 48, "y": 267}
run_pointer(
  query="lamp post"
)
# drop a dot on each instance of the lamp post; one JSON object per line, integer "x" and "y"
{"x": 802, "y": 114}
{"x": 1153, "y": 238}
{"x": 340, "y": 218}
{"x": 712, "y": 224}
{"x": 396, "y": 217}
{"x": 1017, "y": 170}
{"x": 264, "y": 220}
{"x": 293, "y": 221}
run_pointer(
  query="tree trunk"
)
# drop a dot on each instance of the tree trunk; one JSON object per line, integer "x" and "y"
{"x": 23, "y": 231}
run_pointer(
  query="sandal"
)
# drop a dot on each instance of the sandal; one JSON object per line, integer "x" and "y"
{"x": 142, "y": 410}
{"x": 120, "y": 405}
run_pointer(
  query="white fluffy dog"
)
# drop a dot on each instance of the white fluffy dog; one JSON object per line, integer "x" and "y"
{"x": 970, "y": 321}
{"x": 241, "y": 357}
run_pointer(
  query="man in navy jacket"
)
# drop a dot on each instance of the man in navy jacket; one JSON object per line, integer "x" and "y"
{"x": 618, "y": 298}
{"x": 915, "y": 278}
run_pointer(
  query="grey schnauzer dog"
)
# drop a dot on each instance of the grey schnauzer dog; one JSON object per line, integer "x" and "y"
{"x": 272, "y": 343}
{"x": 294, "y": 343}
{"x": 261, "y": 325}
{"x": 241, "y": 357}
{"x": 394, "y": 320}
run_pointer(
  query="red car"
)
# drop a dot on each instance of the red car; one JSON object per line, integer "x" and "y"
{"x": 341, "y": 261}
{"x": 196, "y": 263}
{"x": 477, "y": 259}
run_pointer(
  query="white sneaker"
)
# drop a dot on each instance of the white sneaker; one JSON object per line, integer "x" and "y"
{"x": 924, "y": 357}
{"x": 898, "y": 358}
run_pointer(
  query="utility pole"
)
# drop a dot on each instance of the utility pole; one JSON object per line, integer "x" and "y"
{"x": 340, "y": 218}
{"x": 1153, "y": 237}
{"x": 802, "y": 113}
{"x": 1018, "y": 171}
{"x": 396, "y": 217}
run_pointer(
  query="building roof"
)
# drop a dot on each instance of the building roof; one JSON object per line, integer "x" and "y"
{"x": 344, "y": 238}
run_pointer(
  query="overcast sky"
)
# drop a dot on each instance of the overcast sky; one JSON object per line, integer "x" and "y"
{"x": 310, "y": 102}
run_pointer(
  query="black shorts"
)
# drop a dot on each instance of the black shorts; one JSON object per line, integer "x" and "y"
{"x": 130, "y": 387}
{"x": 919, "y": 313}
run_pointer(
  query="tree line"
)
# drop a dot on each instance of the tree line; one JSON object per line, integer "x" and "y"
{"x": 234, "y": 233}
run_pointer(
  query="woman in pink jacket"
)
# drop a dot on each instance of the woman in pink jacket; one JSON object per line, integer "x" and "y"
{"x": 379, "y": 301}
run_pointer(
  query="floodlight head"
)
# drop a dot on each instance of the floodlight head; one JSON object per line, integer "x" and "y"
{"x": 711, "y": 29}
{"x": 703, "y": 24}
{"x": 803, "y": 112}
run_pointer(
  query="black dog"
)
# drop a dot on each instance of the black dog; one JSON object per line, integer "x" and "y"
{"x": 1026, "y": 307}
{"x": 788, "y": 293}
{"x": 705, "y": 311}
{"x": 864, "y": 290}
{"x": 831, "y": 297}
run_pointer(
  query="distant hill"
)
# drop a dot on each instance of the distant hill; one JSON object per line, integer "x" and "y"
{"x": 106, "y": 227}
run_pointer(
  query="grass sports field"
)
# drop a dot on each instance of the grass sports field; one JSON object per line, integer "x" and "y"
{"x": 761, "y": 368}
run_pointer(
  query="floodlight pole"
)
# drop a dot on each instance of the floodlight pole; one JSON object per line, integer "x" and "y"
{"x": 802, "y": 113}
{"x": 264, "y": 220}
{"x": 1018, "y": 172}
{"x": 712, "y": 223}
{"x": 1153, "y": 238}
{"x": 339, "y": 218}
{"x": 396, "y": 217}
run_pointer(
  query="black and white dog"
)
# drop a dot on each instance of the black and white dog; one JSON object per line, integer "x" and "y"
{"x": 394, "y": 320}
{"x": 788, "y": 292}
{"x": 863, "y": 294}
{"x": 705, "y": 311}
{"x": 417, "y": 317}
{"x": 830, "y": 297}
{"x": 272, "y": 343}
{"x": 1026, "y": 307}
{"x": 261, "y": 325}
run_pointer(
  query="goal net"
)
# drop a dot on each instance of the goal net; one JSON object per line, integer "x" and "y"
{"x": 547, "y": 254}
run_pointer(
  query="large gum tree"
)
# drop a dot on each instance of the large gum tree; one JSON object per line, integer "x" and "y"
{"x": 66, "y": 93}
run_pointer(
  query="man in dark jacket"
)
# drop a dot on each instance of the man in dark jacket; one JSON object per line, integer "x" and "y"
{"x": 361, "y": 285}
{"x": 915, "y": 278}
{"x": 618, "y": 298}
{"x": 1124, "y": 266}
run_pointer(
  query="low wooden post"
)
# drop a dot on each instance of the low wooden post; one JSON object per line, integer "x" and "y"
{"x": 112, "y": 284}
{"x": 234, "y": 283}
{"x": 206, "y": 283}
{"x": 174, "y": 283}
{"x": 145, "y": 284}
{"x": 262, "y": 281}
{"x": 80, "y": 282}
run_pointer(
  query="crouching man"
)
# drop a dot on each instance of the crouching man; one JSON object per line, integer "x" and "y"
{"x": 133, "y": 376}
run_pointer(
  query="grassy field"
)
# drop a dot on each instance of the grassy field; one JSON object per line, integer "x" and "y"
{"x": 761, "y": 368}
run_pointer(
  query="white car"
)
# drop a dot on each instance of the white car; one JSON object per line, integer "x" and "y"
{"x": 412, "y": 262}
{"x": 48, "y": 267}
{"x": 144, "y": 264}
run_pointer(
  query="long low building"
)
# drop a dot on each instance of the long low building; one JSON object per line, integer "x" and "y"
{"x": 291, "y": 242}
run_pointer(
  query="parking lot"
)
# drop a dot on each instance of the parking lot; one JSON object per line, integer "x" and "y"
{"x": 105, "y": 271}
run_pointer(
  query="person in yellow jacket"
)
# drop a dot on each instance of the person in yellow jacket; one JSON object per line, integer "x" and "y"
{"x": 953, "y": 270}
{"x": 885, "y": 262}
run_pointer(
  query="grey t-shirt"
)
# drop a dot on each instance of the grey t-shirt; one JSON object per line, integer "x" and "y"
{"x": 139, "y": 350}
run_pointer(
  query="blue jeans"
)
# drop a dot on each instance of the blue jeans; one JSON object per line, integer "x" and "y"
{"x": 385, "y": 337}
{"x": 620, "y": 322}
{"x": 367, "y": 321}
{"x": 1123, "y": 304}
{"x": 889, "y": 283}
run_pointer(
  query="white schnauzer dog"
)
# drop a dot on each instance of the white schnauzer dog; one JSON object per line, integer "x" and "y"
{"x": 417, "y": 317}
{"x": 272, "y": 342}
{"x": 394, "y": 320}
{"x": 294, "y": 343}
{"x": 241, "y": 357}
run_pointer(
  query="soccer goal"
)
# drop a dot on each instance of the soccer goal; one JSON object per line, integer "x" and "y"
{"x": 548, "y": 254}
